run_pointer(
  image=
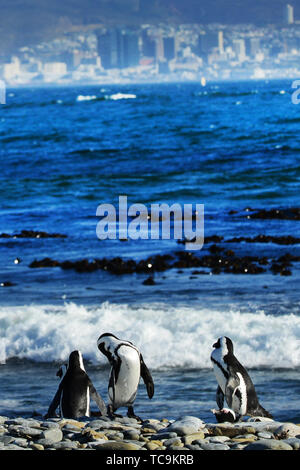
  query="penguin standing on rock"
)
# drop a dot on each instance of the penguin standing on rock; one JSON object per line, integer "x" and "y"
{"x": 127, "y": 366}
{"x": 75, "y": 391}
{"x": 234, "y": 384}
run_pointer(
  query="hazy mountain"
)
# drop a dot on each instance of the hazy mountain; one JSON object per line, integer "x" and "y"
{"x": 24, "y": 22}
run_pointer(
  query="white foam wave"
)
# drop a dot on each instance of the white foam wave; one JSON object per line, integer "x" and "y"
{"x": 168, "y": 336}
{"x": 86, "y": 97}
{"x": 122, "y": 96}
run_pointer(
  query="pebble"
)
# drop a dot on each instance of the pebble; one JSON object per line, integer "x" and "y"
{"x": 187, "y": 433}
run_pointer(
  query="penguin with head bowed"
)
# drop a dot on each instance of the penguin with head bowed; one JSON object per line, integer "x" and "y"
{"x": 127, "y": 366}
{"x": 75, "y": 391}
{"x": 234, "y": 384}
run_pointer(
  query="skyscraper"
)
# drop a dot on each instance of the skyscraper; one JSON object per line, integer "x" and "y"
{"x": 109, "y": 49}
{"x": 239, "y": 49}
{"x": 289, "y": 14}
{"x": 148, "y": 45}
{"x": 118, "y": 49}
{"x": 169, "y": 48}
{"x": 130, "y": 54}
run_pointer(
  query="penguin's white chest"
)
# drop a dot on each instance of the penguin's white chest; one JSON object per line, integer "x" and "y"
{"x": 129, "y": 376}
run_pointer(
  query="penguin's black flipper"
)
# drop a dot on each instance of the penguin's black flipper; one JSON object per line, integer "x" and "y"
{"x": 147, "y": 378}
{"x": 220, "y": 398}
{"x": 96, "y": 397}
{"x": 233, "y": 383}
{"x": 54, "y": 404}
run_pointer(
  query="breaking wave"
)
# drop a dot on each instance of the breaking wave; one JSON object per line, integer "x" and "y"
{"x": 169, "y": 337}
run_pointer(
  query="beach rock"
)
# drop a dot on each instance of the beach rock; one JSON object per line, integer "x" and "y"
{"x": 268, "y": 444}
{"x": 211, "y": 446}
{"x": 25, "y": 431}
{"x": 117, "y": 446}
{"x": 52, "y": 434}
{"x": 35, "y": 446}
{"x": 152, "y": 446}
{"x": 164, "y": 435}
{"x": 189, "y": 439}
{"x": 265, "y": 435}
{"x": 186, "y": 425}
{"x": 65, "y": 445}
{"x": 132, "y": 435}
{"x": 231, "y": 430}
{"x": 172, "y": 441}
{"x": 218, "y": 439}
{"x": 294, "y": 442}
{"x": 287, "y": 430}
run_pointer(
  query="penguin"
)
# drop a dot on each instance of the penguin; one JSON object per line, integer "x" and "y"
{"x": 127, "y": 366}
{"x": 234, "y": 384}
{"x": 74, "y": 391}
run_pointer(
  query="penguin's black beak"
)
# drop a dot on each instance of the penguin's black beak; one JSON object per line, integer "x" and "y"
{"x": 217, "y": 344}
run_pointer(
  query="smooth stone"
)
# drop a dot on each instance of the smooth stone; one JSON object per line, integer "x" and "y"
{"x": 118, "y": 446}
{"x": 294, "y": 442}
{"x": 287, "y": 430}
{"x": 49, "y": 424}
{"x": 268, "y": 444}
{"x": 172, "y": 441}
{"x": 5, "y": 440}
{"x": 3, "y": 419}
{"x": 25, "y": 431}
{"x": 193, "y": 447}
{"x": 164, "y": 435}
{"x": 265, "y": 435}
{"x": 89, "y": 434}
{"x": 65, "y": 445}
{"x": 52, "y": 434}
{"x": 189, "y": 439}
{"x": 20, "y": 441}
{"x": 94, "y": 444}
{"x": 45, "y": 442}
{"x": 225, "y": 429}
{"x": 114, "y": 436}
{"x": 132, "y": 435}
{"x": 35, "y": 446}
{"x": 186, "y": 425}
{"x": 151, "y": 446}
{"x": 157, "y": 442}
{"x": 15, "y": 447}
{"x": 176, "y": 447}
{"x": 210, "y": 446}
{"x": 218, "y": 439}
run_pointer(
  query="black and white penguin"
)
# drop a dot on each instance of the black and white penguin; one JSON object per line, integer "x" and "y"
{"x": 127, "y": 366}
{"x": 234, "y": 384}
{"x": 75, "y": 391}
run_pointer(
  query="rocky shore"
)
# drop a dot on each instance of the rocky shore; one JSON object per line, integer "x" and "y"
{"x": 187, "y": 433}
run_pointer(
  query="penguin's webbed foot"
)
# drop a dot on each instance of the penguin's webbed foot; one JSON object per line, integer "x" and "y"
{"x": 111, "y": 413}
{"x": 131, "y": 414}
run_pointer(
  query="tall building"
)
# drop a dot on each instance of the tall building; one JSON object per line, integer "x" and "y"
{"x": 169, "y": 48}
{"x": 108, "y": 49}
{"x": 289, "y": 14}
{"x": 209, "y": 41}
{"x": 254, "y": 46}
{"x": 239, "y": 48}
{"x": 130, "y": 50}
{"x": 118, "y": 49}
{"x": 148, "y": 45}
{"x": 221, "y": 42}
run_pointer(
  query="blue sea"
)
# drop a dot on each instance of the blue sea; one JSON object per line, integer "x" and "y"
{"x": 233, "y": 147}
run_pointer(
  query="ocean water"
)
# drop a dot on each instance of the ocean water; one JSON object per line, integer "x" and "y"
{"x": 233, "y": 147}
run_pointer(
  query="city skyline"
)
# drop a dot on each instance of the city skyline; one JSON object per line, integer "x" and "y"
{"x": 164, "y": 52}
